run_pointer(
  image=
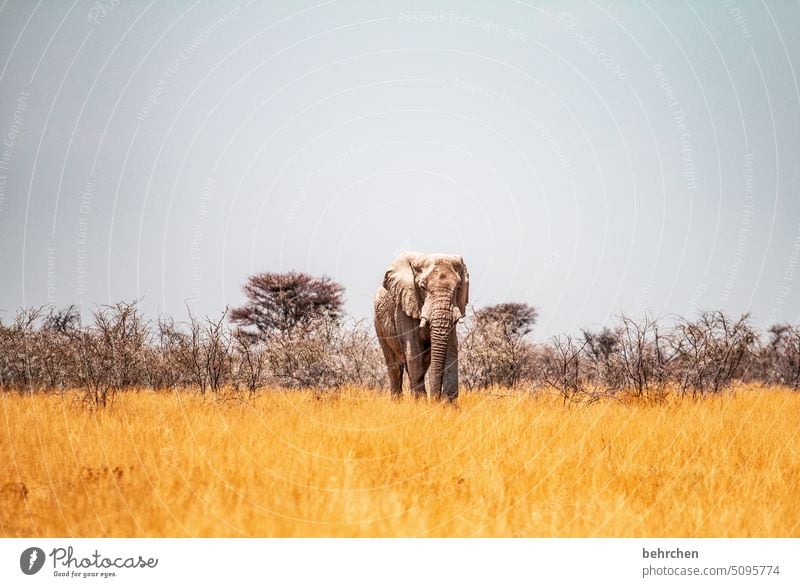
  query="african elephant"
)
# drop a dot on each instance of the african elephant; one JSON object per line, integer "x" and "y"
{"x": 416, "y": 310}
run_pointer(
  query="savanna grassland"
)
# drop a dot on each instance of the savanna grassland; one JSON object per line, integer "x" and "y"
{"x": 357, "y": 464}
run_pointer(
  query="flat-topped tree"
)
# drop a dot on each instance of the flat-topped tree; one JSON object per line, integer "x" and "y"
{"x": 280, "y": 302}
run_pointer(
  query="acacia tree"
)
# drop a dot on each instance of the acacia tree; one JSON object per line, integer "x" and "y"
{"x": 513, "y": 319}
{"x": 280, "y": 302}
{"x": 294, "y": 321}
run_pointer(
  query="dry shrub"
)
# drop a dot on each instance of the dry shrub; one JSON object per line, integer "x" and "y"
{"x": 494, "y": 348}
{"x": 311, "y": 345}
{"x": 325, "y": 354}
{"x": 712, "y": 351}
{"x": 778, "y": 362}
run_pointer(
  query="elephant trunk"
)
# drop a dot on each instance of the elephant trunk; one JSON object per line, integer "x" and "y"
{"x": 441, "y": 324}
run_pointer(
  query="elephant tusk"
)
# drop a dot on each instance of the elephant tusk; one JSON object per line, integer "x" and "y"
{"x": 457, "y": 315}
{"x": 423, "y": 322}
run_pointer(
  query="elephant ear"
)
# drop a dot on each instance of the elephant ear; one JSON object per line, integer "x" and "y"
{"x": 400, "y": 282}
{"x": 462, "y": 297}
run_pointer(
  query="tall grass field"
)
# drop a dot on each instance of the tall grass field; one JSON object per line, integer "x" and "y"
{"x": 356, "y": 463}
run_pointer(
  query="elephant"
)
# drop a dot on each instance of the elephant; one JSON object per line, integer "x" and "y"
{"x": 417, "y": 306}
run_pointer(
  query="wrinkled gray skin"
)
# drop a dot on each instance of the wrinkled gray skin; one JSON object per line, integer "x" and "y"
{"x": 416, "y": 310}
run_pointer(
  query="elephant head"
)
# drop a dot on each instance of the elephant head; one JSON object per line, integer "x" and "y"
{"x": 433, "y": 289}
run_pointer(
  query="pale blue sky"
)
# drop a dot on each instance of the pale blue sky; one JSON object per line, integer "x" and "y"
{"x": 587, "y": 158}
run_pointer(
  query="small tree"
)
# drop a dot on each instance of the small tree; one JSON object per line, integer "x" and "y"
{"x": 560, "y": 367}
{"x": 64, "y": 320}
{"x": 602, "y": 353}
{"x": 205, "y": 352}
{"x": 301, "y": 357}
{"x": 123, "y": 333}
{"x": 59, "y": 357}
{"x": 514, "y": 320}
{"x": 280, "y": 302}
{"x": 356, "y": 356}
{"x": 644, "y": 359}
{"x": 111, "y": 351}
{"x": 712, "y": 350}
{"x": 249, "y": 361}
{"x": 216, "y": 352}
{"x": 780, "y": 357}
{"x": 495, "y": 348}
{"x": 23, "y": 356}
{"x": 165, "y": 361}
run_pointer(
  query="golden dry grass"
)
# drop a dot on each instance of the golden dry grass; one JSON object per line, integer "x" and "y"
{"x": 361, "y": 465}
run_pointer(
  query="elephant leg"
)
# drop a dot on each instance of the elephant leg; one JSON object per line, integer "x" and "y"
{"x": 396, "y": 380}
{"x": 450, "y": 376}
{"x": 416, "y": 370}
{"x": 395, "y": 362}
